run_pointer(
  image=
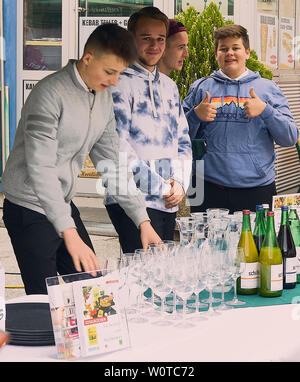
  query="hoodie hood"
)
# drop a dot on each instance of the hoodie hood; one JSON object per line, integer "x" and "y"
{"x": 218, "y": 76}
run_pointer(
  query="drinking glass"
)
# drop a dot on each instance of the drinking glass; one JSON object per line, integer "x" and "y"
{"x": 186, "y": 226}
{"x": 216, "y": 212}
{"x": 185, "y": 280}
{"x": 136, "y": 286}
{"x": 210, "y": 275}
{"x": 237, "y": 263}
{"x": 201, "y": 228}
{"x": 160, "y": 286}
{"x": 199, "y": 284}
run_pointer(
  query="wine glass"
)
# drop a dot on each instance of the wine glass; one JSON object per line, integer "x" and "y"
{"x": 199, "y": 285}
{"x": 237, "y": 264}
{"x": 160, "y": 286}
{"x": 186, "y": 226}
{"x": 201, "y": 227}
{"x": 185, "y": 280}
{"x": 210, "y": 275}
{"x": 136, "y": 286}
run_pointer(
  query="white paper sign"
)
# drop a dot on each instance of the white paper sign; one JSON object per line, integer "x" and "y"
{"x": 267, "y": 39}
{"x": 287, "y": 32}
{"x": 88, "y": 24}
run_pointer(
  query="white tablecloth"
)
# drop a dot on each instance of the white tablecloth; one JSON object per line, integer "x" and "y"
{"x": 270, "y": 333}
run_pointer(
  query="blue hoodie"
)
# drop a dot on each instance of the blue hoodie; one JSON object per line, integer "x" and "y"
{"x": 240, "y": 150}
{"x": 153, "y": 133}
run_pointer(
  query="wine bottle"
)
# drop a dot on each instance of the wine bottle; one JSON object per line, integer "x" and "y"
{"x": 288, "y": 251}
{"x": 270, "y": 262}
{"x": 248, "y": 282}
{"x": 259, "y": 228}
{"x": 295, "y": 230}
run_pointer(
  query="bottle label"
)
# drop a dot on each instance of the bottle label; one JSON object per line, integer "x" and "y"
{"x": 276, "y": 277}
{"x": 250, "y": 275}
{"x": 298, "y": 260}
{"x": 290, "y": 269}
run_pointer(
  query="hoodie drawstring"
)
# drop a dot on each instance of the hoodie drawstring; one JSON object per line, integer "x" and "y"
{"x": 151, "y": 96}
{"x": 162, "y": 98}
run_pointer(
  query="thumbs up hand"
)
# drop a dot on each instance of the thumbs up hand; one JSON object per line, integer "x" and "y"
{"x": 206, "y": 111}
{"x": 254, "y": 106}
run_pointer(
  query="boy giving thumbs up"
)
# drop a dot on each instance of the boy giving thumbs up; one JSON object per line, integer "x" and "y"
{"x": 240, "y": 115}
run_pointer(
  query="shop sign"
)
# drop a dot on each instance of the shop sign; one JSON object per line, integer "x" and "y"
{"x": 28, "y": 85}
{"x": 88, "y": 24}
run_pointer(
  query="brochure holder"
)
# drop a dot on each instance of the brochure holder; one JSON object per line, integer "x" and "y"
{"x": 88, "y": 313}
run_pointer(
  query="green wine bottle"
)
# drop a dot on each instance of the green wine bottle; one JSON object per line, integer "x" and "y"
{"x": 288, "y": 251}
{"x": 259, "y": 228}
{"x": 270, "y": 262}
{"x": 295, "y": 230}
{"x": 248, "y": 282}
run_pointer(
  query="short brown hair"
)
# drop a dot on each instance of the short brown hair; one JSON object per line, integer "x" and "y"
{"x": 149, "y": 13}
{"x": 111, "y": 38}
{"x": 232, "y": 30}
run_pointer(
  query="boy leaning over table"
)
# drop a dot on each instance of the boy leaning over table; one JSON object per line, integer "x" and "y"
{"x": 67, "y": 116}
{"x": 240, "y": 115}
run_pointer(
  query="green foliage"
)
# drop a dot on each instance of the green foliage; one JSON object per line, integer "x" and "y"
{"x": 201, "y": 61}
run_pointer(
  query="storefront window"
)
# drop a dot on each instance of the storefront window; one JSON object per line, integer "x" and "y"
{"x": 287, "y": 29}
{"x": 226, "y": 7}
{"x": 122, "y": 8}
{"x": 42, "y": 34}
{"x": 268, "y": 32}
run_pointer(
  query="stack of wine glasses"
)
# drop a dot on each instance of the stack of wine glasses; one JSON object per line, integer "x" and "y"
{"x": 165, "y": 283}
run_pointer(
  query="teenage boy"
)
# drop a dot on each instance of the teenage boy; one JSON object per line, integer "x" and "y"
{"x": 176, "y": 48}
{"x": 240, "y": 115}
{"x": 67, "y": 116}
{"x": 153, "y": 132}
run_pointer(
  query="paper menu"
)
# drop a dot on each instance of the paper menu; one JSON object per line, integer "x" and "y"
{"x": 87, "y": 316}
{"x": 101, "y": 320}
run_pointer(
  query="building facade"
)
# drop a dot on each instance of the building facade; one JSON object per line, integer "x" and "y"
{"x": 39, "y": 36}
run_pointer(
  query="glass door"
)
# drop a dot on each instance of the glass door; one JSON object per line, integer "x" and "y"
{"x": 91, "y": 14}
{"x": 42, "y": 36}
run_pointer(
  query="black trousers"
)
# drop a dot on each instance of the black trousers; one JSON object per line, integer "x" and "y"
{"x": 39, "y": 250}
{"x": 235, "y": 199}
{"x": 129, "y": 235}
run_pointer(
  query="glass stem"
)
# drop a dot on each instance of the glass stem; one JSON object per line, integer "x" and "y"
{"x": 210, "y": 300}
{"x": 234, "y": 288}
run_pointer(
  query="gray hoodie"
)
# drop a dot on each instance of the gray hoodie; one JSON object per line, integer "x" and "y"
{"x": 61, "y": 124}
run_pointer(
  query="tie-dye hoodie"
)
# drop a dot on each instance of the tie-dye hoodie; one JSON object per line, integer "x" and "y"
{"x": 153, "y": 133}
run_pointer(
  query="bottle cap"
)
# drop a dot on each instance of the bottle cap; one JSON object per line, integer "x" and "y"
{"x": 270, "y": 213}
{"x": 246, "y": 212}
{"x": 265, "y": 205}
{"x": 284, "y": 208}
{"x": 259, "y": 207}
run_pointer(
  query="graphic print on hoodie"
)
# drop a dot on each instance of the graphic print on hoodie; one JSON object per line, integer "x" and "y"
{"x": 240, "y": 150}
{"x": 153, "y": 133}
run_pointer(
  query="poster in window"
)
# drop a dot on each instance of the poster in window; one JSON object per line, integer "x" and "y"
{"x": 267, "y": 41}
{"x": 286, "y": 42}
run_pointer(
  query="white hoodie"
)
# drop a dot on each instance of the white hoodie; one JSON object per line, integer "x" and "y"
{"x": 153, "y": 132}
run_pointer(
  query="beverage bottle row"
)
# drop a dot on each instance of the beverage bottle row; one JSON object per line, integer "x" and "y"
{"x": 271, "y": 262}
